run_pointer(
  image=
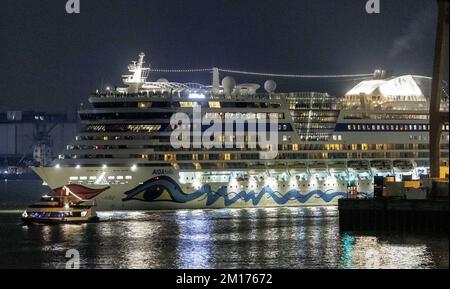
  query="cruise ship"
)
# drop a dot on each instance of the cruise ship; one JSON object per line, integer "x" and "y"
{"x": 327, "y": 147}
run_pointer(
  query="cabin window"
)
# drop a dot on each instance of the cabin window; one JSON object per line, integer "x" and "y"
{"x": 214, "y": 104}
{"x": 187, "y": 104}
{"x": 144, "y": 104}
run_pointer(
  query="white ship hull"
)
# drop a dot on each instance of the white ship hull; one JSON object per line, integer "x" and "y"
{"x": 149, "y": 188}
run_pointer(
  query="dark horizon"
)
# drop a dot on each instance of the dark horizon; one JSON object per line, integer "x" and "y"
{"x": 51, "y": 60}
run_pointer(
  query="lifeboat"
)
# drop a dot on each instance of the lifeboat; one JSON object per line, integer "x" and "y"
{"x": 277, "y": 169}
{"x": 318, "y": 168}
{"x": 337, "y": 167}
{"x": 381, "y": 166}
{"x": 298, "y": 169}
{"x": 403, "y": 166}
{"x": 358, "y": 167}
{"x": 257, "y": 169}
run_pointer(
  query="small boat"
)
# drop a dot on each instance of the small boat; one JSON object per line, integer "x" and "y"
{"x": 67, "y": 205}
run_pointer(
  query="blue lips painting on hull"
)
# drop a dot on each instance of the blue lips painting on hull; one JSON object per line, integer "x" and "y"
{"x": 154, "y": 188}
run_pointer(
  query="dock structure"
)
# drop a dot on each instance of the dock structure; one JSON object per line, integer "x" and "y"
{"x": 426, "y": 216}
{"x": 438, "y": 117}
{"x": 31, "y": 138}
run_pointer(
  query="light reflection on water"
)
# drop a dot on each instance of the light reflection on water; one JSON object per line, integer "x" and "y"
{"x": 228, "y": 238}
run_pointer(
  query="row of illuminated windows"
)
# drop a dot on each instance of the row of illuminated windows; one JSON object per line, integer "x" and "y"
{"x": 315, "y": 113}
{"x": 284, "y": 185}
{"x": 122, "y": 115}
{"x": 152, "y": 128}
{"x": 94, "y": 178}
{"x": 312, "y": 105}
{"x": 425, "y": 138}
{"x": 232, "y": 127}
{"x": 123, "y": 128}
{"x": 315, "y": 125}
{"x": 159, "y": 138}
{"x": 171, "y": 157}
{"x": 243, "y": 115}
{"x": 200, "y": 165}
{"x": 217, "y": 104}
{"x": 172, "y": 94}
{"x": 247, "y": 138}
{"x": 391, "y": 127}
{"x": 387, "y": 116}
{"x": 313, "y": 136}
{"x": 281, "y": 147}
{"x": 308, "y": 120}
{"x": 185, "y": 104}
{"x": 411, "y": 137}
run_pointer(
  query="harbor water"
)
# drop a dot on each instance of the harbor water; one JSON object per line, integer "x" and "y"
{"x": 228, "y": 238}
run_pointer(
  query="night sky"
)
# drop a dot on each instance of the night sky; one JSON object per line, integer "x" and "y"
{"x": 51, "y": 61}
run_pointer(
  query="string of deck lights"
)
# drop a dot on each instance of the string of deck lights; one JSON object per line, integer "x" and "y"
{"x": 181, "y": 70}
{"x": 260, "y": 73}
{"x": 354, "y": 76}
{"x": 294, "y": 75}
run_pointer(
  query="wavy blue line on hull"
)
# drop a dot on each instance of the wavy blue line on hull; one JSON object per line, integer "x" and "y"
{"x": 152, "y": 189}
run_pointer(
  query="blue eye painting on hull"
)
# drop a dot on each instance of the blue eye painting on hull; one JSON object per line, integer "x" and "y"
{"x": 152, "y": 189}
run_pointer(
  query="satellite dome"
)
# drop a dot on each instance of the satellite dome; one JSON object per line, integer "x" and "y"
{"x": 270, "y": 86}
{"x": 228, "y": 84}
{"x": 163, "y": 80}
